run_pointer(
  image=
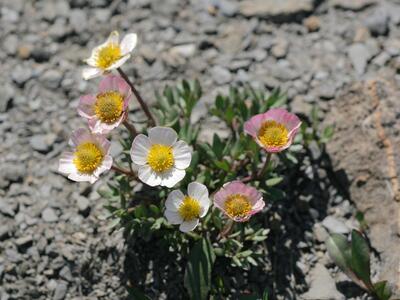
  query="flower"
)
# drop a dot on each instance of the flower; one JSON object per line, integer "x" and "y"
{"x": 108, "y": 108}
{"x": 273, "y": 130}
{"x": 162, "y": 159}
{"x": 90, "y": 156}
{"x": 238, "y": 201}
{"x": 186, "y": 210}
{"x": 109, "y": 55}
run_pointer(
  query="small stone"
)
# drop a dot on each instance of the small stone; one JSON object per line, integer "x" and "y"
{"x": 322, "y": 285}
{"x": 49, "y": 215}
{"x": 60, "y": 291}
{"x": 10, "y": 44}
{"x": 148, "y": 53}
{"x": 320, "y": 233}
{"x": 352, "y": 4}
{"x": 381, "y": 59}
{"x": 334, "y": 225}
{"x": 227, "y": 8}
{"x": 326, "y": 91}
{"x": 78, "y": 20}
{"x": 186, "y": 51}
{"x": 23, "y": 242}
{"x": 280, "y": 49}
{"x": 6, "y": 94}
{"x": 24, "y": 51}
{"x": 273, "y": 8}
{"x": 378, "y": 22}
{"x": 312, "y": 23}
{"x": 52, "y": 79}
{"x": 21, "y": 74}
{"x": 83, "y": 205}
{"x": 359, "y": 56}
{"x": 221, "y": 75}
{"x": 102, "y": 14}
{"x": 65, "y": 273}
{"x": 43, "y": 143}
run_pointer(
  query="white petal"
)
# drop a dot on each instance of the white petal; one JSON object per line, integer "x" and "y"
{"x": 66, "y": 164}
{"x": 188, "y": 225}
{"x": 162, "y": 135}
{"x": 113, "y": 38}
{"x": 128, "y": 43}
{"x": 89, "y": 73}
{"x": 174, "y": 200}
{"x": 204, "y": 209}
{"x": 148, "y": 176}
{"x": 169, "y": 179}
{"x": 119, "y": 62}
{"x": 173, "y": 217}
{"x": 182, "y": 155}
{"x": 197, "y": 191}
{"x": 91, "y": 61}
{"x": 82, "y": 177}
{"x": 140, "y": 149}
{"x": 105, "y": 166}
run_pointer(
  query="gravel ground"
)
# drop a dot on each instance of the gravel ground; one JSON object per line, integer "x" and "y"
{"x": 54, "y": 240}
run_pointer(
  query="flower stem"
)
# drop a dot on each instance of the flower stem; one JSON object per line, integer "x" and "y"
{"x": 138, "y": 97}
{"x": 265, "y": 167}
{"x": 122, "y": 171}
{"x": 131, "y": 128}
{"x": 225, "y": 230}
{"x": 260, "y": 174}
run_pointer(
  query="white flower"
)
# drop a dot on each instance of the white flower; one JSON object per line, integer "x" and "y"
{"x": 186, "y": 210}
{"x": 109, "y": 55}
{"x": 161, "y": 159}
{"x": 89, "y": 158}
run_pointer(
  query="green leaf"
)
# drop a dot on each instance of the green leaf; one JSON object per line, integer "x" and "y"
{"x": 327, "y": 133}
{"x": 218, "y": 146}
{"x": 136, "y": 294}
{"x": 339, "y": 250}
{"x": 360, "y": 261}
{"x": 223, "y": 165}
{"x": 265, "y": 295}
{"x": 274, "y": 181}
{"x": 382, "y": 290}
{"x": 197, "y": 278}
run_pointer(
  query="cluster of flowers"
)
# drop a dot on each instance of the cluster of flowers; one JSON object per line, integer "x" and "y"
{"x": 159, "y": 158}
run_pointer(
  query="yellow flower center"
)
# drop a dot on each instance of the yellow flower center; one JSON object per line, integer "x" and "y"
{"x": 160, "y": 158}
{"x": 237, "y": 206}
{"x": 273, "y": 134}
{"x": 189, "y": 209}
{"x": 87, "y": 157}
{"x": 108, "y": 55}
{"x": 109, "y": 106}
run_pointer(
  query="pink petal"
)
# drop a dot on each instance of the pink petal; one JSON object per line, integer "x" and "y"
{"x": 79, "y": 136}
{"x": 85, "y": 107}
{"x": 253, "y": 125}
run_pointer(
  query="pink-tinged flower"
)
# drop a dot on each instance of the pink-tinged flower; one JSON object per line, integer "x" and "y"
{"x": 238, "y": 201}
{"x": 109, "y": 107}
{"x": 109, "y": 55}
{"x": 273, "y": 130}
{"x": 89, "y": 157}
